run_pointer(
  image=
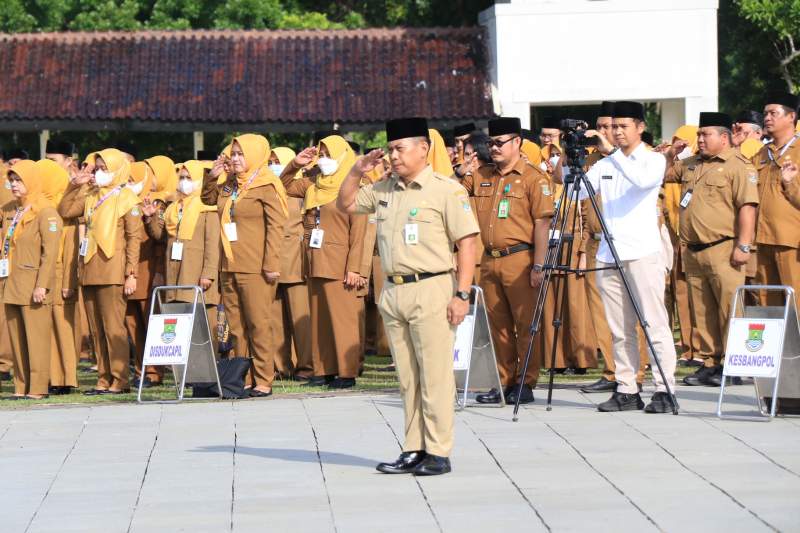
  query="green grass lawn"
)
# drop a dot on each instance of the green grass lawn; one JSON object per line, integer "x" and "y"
{"x": 373, "y": 379}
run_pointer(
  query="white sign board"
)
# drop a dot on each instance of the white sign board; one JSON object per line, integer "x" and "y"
{"x": 168, "y": 340}
{"x": 462, "y": 349}
{"x": 755, "y": 347}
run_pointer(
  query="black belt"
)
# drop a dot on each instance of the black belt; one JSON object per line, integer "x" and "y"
{"x": 699, "y": 247}
{"x": 411, "y": 278}
{"x": 508, "y": 251}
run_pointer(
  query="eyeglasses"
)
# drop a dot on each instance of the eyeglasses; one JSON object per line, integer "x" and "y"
{"x": 492, "y": 143}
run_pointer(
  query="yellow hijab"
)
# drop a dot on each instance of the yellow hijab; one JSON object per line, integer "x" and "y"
{"x": 438, "y": 157}
{"x": 192, "y": 205}
{"x": 750, "y": 147}
{"x": 165, "y": 178}
{"x": 101, "y": 227}
{"x": 35, "y": 198}
{"x": 141, "y": 172}
{"x": 532, "y": 152}
{"x": 672, "y": 191}
{"x": 55, "y": 180}
{"x": 326, "y": 188}
{"x": 256, "y": 152}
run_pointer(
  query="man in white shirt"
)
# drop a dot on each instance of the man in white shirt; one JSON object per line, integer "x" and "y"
{"x": 629, "y": 179}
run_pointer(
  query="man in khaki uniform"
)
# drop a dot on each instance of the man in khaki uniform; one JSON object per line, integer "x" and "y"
{"x": 748, "y": 128}
{"x": 420, "y": 217}
{"x": 719, "y": 199}
{"x": 778, "y": 235}
{"x": 514, "y": 205}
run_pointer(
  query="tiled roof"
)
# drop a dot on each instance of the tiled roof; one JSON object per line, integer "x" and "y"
{"x": 292, "y": 77}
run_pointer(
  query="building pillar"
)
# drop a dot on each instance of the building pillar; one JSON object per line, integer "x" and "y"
{"x": 44, "y": 136}
{"x": 198, "y": 140}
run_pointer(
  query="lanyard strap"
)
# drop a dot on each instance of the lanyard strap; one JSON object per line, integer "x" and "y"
{"x": 783, "y": 150}
{"x": 235, "y": 194}
{"x": 180, "y": 218}
{"x": 7, "y": 241}
{"x": 317, "y": 216}
{"x": 100, "y": 202}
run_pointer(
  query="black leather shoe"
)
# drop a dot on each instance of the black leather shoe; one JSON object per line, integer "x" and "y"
{"x": 716, "y": 379}
{"x": 318, "y": 381}
{"x": 493, "y": 396}
{"x": 404, "y": 464}
{"x": 702, "y": 376}
{"x": 659, "y": 403}
{"x": 525, "y": 394}
{"x": 342, "y": 383}
{"x": 689, "y": 362}
{"x": 255, "y": 393}
{"x": 601, "y": 385}
{"x": 620, "y": 401}
{"x": 433, "y": 465}
{"x": 95, "y": 392}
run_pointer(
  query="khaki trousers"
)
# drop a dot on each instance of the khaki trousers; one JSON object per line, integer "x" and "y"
{"x": 335, "y": 333}
{"x": 375, "y": 332}
{"x": 294, "y": 352}
{"x": 6, "y": 357}
{"x": 137, "y": 314}
{"x": 421, "y": 341}
{"x": 248, "y": 298}
{"x": 105, "y": 310}
{"x": 510, "y": 302}
{"x": 65, "y": 347}
{"x": 778, "y": 265}
{"x": 712, "y": 282}
{"x": 598, "y": 312}
{"x": 677, "y": 302}
{"x": 29, "y": 332}
{"x": 647, "y": 280}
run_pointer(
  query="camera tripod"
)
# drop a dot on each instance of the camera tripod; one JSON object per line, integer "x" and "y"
{"x": 569, "y": 203}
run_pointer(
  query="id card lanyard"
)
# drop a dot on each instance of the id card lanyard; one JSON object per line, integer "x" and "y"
{"x": 10, "y": 234}
{"x": 177, "y": 246}
{"x": 317, "y": 234}
{"x": 235, "y": 194}
{"x": 783, "y": 150}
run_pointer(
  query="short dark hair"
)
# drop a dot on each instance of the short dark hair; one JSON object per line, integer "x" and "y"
{"x": 480, "y": 143}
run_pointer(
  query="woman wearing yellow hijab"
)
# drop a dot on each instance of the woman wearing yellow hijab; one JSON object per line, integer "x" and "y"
{"x": 438, "y": 158}
{"x": 64, "y": 348}
{"x": 160, "y": 181}
{"x": 252, "y": 207}
{"x": 110, "y": 257}
{"x": 190, "y": 230}
{"x": 31, "y": 232}
{"x": 334, "y": 249}
{"x": 292, "y": 288}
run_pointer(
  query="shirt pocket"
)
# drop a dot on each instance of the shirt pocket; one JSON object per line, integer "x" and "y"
{"x": 483, "y": 198}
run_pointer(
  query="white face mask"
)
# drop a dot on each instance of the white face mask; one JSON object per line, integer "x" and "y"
{"x": 327, "y": 165}
{"x": 686, "y": 152}
{"x": 137, "y": 188}
{"x": 277, "y": 169}
{"x": 103, "y": 178}
{"x": 186, "y": 187}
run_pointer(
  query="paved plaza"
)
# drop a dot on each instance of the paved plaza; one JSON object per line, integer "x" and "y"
{"x": 307, "y": 464}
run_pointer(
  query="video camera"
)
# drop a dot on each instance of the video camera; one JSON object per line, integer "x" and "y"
{"x": 575, "y": 142}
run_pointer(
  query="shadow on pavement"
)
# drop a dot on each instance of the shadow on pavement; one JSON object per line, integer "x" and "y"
{"x": 293, "y": 455}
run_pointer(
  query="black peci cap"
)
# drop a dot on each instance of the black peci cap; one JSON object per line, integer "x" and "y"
{"x": 56, "y": 146}
{"x": 606, "y": 109}
{"x": 782, "y": 98}
{"x": 504, "y": 126}
{"x": 528, "y": 134}
{"x": 464, "y": 129}
{"x": 719, "y": 120}
{"x": 206, "y": 155}
{"x": 633, "y": 110}
{"x": 403, "y": 128}
{"x": 551, "y": 123}
{"x": 449, "y": 139}
{"x": 750, "y": 117}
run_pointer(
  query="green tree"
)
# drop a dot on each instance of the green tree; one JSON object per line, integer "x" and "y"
{"x": 779, "y": 21}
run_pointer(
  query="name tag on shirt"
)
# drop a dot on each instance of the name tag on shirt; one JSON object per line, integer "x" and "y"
{"x": 317, "y": 236}
{"x": 230, "y": 232}
{"x": 412, "y": 233}
{"x": 83, "y": 249}
{"x": 607, "y": 177}
{"x": 486, "y": 184}
{"x": 177, "y": 251}
{"x": 4, "y": 268}
{"x": 686, "y": 199}
{"x": 383, "y": 203}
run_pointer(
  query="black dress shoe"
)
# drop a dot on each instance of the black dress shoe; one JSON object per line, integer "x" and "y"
{"x": 620, "y": 401}
{"x": 95, "y": 392}
{"x": 342, "y": 383}
{"x": 493, "y": 396}
{"x": 716, "y": 379}
{"x": 601, "y": 385}
{"x": 689, "y": 363}
{"x": 433, "y": 465}
{"x": 572, "y": 371}
{"x": 404, "y": 464}
{"x": 318, "y": 381}
{"x": 524, "y": 392}
{"x": 659, "y": 403}
{"x": 255, "y": 393}
{"x": 146, "y": 384}
{"x": 702, "y": 376}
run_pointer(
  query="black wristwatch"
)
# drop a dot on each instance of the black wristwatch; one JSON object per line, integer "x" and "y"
{"x": 464, "y": 295}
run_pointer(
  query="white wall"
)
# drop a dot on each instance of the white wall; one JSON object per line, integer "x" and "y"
{"x": 557, "y": 52}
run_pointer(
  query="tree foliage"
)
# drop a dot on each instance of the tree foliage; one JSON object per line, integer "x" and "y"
{"x": 779, "y": 22}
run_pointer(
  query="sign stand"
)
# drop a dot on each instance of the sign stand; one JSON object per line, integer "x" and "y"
{"x": 764, "y": 343}
{"x": 178, "y": 335}
{"x": 474, "y": 363}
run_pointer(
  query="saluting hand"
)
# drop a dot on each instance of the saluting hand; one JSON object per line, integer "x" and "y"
{"x": 218, "y": 168}
{"x": 83, "y": 176}
{"x": 368, "y": 162}
{"x": 789, "y": 171}
{"x": 39, "y": 294}
{"x": 149, "y": 207}
{"x": 306, "y": 156}
{"x": 677, "y": 147}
